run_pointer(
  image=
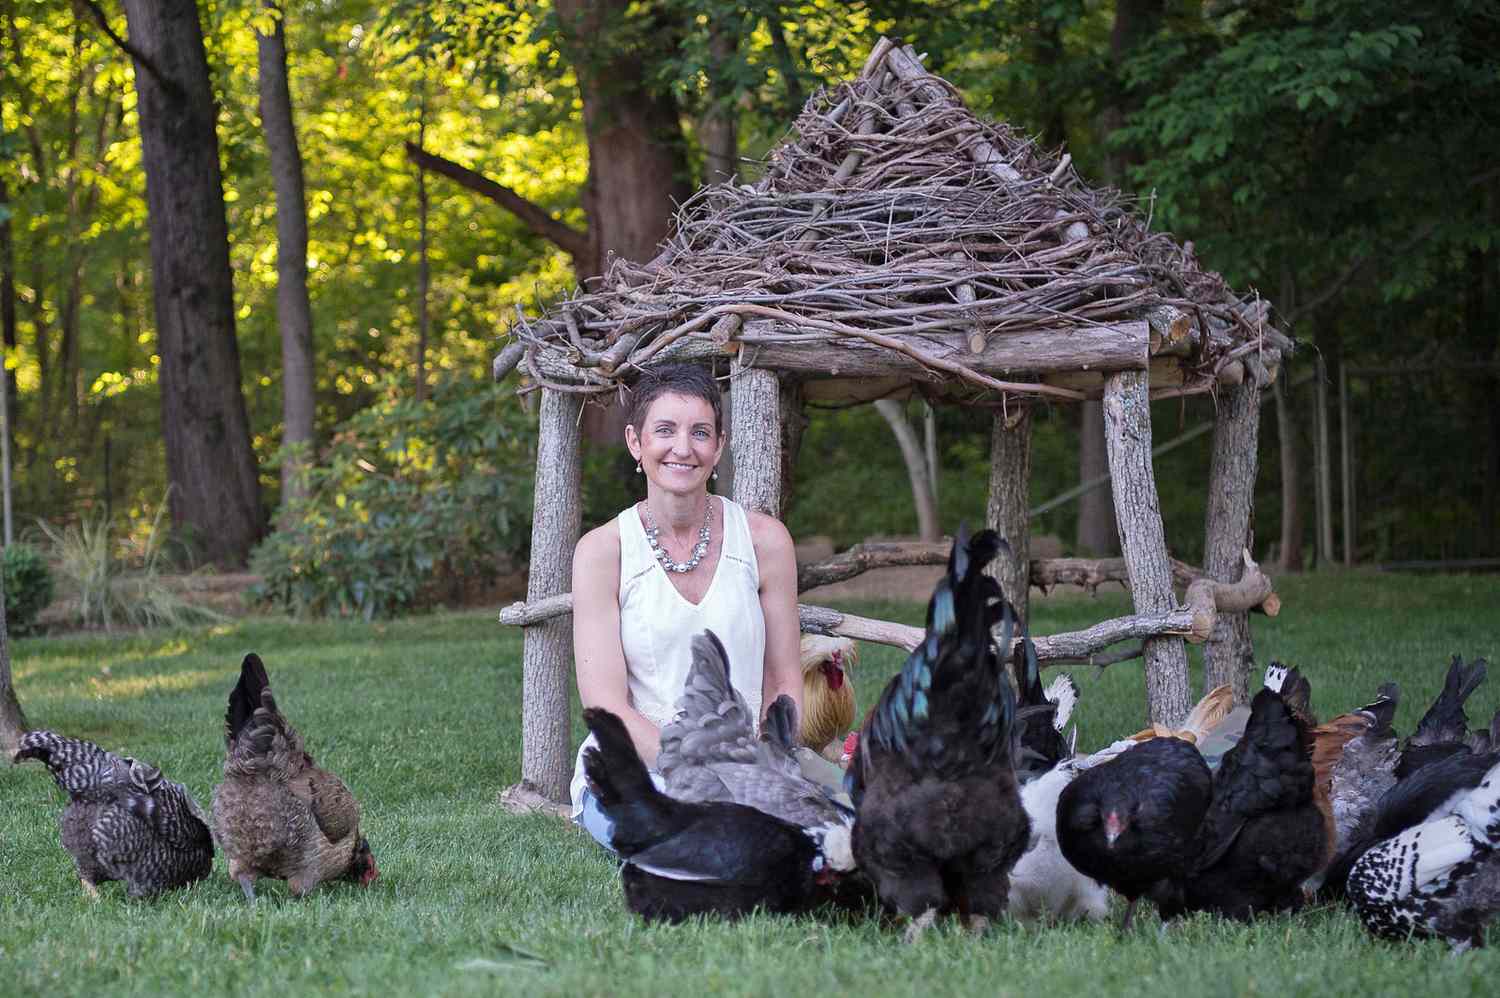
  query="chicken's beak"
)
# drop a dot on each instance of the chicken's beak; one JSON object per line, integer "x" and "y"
{"x": 371, "y": 874}
{"x": 1112, "y": 828}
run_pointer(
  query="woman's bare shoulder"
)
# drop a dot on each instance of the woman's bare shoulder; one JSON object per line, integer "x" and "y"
{"x": 768, "y": 534}
{"x": 600, "y": 545}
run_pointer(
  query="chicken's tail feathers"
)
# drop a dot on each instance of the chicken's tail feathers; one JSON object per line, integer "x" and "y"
{"x": 1382, "y": 710}
{"x": 1207, "y": 713}
{"x": 1445, "y": 720}
{"x": 1062, "y": 691}
{"x": 780, "y": 727}
{"x": 75, "y": 764}
{"x": 615, "y": 771}
{"x": 1295, "y": 690}
{"x": 246, "y": 697}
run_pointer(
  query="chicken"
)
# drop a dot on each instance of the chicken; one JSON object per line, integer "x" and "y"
{"x": 1042, "y": 745}
{"x": 710, "y": 753}
{"x": 940, "y": 821}
{"x": 1366, "y": 767}
{"x": 1420, "y": 796}
{"x": 828, "y": 706}
{"x": 124, "y": 820}
{"x": 1043, "y": 884}
{"x": 1129, "y": 822}
{"x": 686, "y": 858}
{"x": 277, "y": 814}
{"x": 1263, "y": 834}
{"x": 1444, "y": 729}
{"x": 1202, "y": 721}
{"x": 1440, "y": 878}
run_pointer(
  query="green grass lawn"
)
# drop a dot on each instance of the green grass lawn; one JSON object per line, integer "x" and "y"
{"x": 421, "y": 717}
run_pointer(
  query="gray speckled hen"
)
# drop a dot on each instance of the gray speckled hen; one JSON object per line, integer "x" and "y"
{"x": 1440, "y": 878}
{"x": 277, "y": 813}
{"x": 124, "y": 820}
{"x": 710, "y": 753}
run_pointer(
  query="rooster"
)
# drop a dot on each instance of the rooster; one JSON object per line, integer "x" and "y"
{"x": 686, "y": 858}
{"x": 828, "y": 706}
{"x": 710, "y": 752}
{"x": 1263, "y": 834}
{"x": 124, "y": 820}
{"x": 1130, "y": 821}
{"x": 940, "y": 821}
{"x": 1440, "y": 878}
{"x": 277, "y": 814}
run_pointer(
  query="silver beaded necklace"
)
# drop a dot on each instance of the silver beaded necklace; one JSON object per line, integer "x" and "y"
{"x": 653, "y": 537}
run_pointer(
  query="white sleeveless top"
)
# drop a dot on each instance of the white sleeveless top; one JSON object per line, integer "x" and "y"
{"x": 657, "y": 624}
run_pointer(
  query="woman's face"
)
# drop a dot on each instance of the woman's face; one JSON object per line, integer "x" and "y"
{"x": 677, "y": 445}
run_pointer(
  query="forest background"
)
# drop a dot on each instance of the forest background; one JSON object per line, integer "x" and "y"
{"x": 450, "y": 162}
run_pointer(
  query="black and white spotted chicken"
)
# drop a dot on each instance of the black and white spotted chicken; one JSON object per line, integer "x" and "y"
{"x": 124, "y": 820}
{"x": 1438, "y": 879}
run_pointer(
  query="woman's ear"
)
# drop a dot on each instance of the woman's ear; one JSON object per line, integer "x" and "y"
{"x": 632, "y": 441}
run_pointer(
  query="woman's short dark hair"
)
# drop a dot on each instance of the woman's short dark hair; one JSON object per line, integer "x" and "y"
{"x": 692, "y": 380}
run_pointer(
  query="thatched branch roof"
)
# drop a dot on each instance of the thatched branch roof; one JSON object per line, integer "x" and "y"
{"x": 899, "y": 239}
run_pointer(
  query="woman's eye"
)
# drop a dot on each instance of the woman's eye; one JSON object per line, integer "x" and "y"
{"x": 701, "y": 434}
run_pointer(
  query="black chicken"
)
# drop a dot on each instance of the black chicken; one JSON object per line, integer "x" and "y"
{"x": 1130, "y": 822}
{"x": 1263, "y": 834}
{"x": 1038, "y": 719}
{"x": 124, "y": 820}
{"x": 1444, "y": 729}
{"x": 939, "y": 817}
{"x": 685, "y": 858}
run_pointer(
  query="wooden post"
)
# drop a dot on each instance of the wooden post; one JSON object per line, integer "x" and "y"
{"x": 547, "y": 672}
{"x": 1009, "y": 501}
{"x": 1127, "y": 437}
{"x": 1229, "y": 655}
{"x": 755, "y": 435}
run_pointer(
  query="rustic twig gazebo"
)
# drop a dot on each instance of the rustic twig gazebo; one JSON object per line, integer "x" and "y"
{"x": 898, "y": 244}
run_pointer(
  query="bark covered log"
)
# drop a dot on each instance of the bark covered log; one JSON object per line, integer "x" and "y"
{"x": 1229, "y": 655}
{"x": 1127, "y": 419}
{"x": 755, "y": 435}
{"x": 1009, "y": 501}
{"x": 210, "y": 464}
{"x": 548, "y": 650}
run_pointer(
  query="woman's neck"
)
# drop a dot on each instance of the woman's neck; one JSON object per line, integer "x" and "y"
{"x": 679, "y": 514}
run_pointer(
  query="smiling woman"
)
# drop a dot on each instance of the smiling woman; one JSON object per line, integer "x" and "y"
{"x": 672, "y": 565}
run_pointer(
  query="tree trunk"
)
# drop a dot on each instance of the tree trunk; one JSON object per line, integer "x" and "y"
{"x": 793, "y": 422}
{"x": 1229, "y": 654}
{"x": 293, "y": 309}
{"x": 12, "y": 720}
{"x": 1127, "y": 410}
{"x": 717, "y": 128}
{"x": 1097, "y": 533}
{"x": 1289, "y": 443}
{"x": 7, "y": 379}
{"x": 1008, "y": 509}
{"x": 916, "y": 467}
{"x": 211, "y": 468}
{"x": 637, "y": 161}
{"x": 424, "y": 272}
{"x": 548, "y": 651}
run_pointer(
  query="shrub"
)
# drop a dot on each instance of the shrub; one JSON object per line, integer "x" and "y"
{"x": 28, "y": 587}
{"x": 411, "y": 501}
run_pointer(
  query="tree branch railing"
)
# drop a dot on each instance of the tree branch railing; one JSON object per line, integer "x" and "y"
{"x": 1193, "y": 621}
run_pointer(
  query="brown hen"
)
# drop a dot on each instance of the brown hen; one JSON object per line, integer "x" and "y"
{"x": 277, "y": 814}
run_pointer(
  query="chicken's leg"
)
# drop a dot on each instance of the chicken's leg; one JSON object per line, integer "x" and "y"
{"x": 1129, "y": 913}
{"x": 90, "y": 889}
{"x": 247, "y": 884}
{"x": 979, "y": 924}
{"x": 919, "y": 925}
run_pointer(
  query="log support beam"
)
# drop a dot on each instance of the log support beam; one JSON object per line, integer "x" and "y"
{"x": 1229, "y": 655}
{"x": 1127, "y": 436}
{"x": 1009, "y": 502}
{"x": 756, "y": 439}
{"x": 548, "y": 656}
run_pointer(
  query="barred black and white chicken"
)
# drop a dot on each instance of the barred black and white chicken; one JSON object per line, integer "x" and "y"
{"x": 124, "y": 820}
{"x": 940, "y": 822}
{"x": 1440, "y": 878}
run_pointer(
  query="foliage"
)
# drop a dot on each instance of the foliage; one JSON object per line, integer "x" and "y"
{"x": 28, "y": 586}
{"x": 119, "y": 584}
{"x": 410, "y": 502}
{"x": 422, "y": 717}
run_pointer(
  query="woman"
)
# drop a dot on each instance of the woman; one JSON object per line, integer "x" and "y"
{"x": 672, "y": 565}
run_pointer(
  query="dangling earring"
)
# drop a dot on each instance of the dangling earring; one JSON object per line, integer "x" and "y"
{"x": 638, "y": 468}
{"x": 715, "y": 475}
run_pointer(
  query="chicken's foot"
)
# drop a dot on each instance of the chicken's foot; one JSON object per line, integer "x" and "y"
{"x": 1129, "y": 914}
{"x": 979, "y": 924}
{"x": 90, "y": 889}
{"x": 919, "y": 925}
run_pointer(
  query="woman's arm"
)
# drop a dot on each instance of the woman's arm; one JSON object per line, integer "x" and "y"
{"x": 776, "y": 562}
{"x": 598, "y": 658}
